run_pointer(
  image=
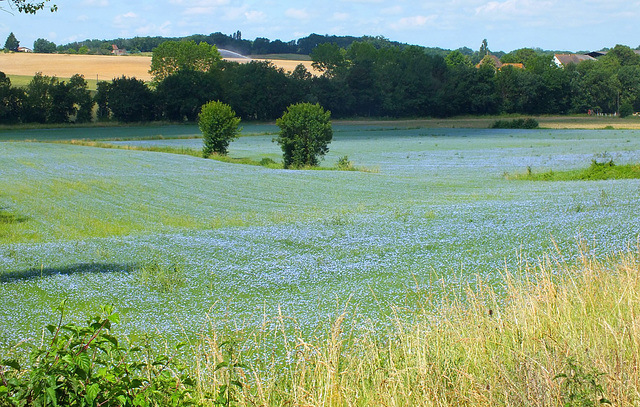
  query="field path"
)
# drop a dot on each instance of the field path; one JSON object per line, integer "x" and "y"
{"x": 101, "y": 67}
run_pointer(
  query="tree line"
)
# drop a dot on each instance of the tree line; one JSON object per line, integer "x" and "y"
{"x": 360, "y": 81}
{"x": 233, "y": 42}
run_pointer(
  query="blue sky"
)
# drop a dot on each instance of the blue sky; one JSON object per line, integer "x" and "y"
{"x": 507, "y": 24}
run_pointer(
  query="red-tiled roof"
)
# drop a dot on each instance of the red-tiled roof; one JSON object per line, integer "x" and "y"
{"x": 496, "y": 61}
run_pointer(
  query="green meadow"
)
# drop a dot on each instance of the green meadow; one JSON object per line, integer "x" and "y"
{"x": 181, "y": 245}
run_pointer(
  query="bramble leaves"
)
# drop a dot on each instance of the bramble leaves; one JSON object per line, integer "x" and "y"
{"x": 87, "y": 366}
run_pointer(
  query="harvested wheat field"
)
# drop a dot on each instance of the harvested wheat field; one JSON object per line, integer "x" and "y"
{"x": 101, "y": 67}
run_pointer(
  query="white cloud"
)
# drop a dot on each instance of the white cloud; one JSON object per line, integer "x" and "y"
{"x": 254, "y": 16}
{"x": 300, "y": 14}
{"x": 340, "y": 16}
{"x": 235, "y": 13}
{"x": 153, "y": 29}
{"x": 412, "y": 22}
{"x": 190, "y": 11}
{"x": 509, "y": 8}
{"x": 95, "y": 3}
{"x": 395, "y": 10}
{"x": 82, "y": 17}
{"x": 199, "y": 7}
{"x": 200, "y": 3}
{"x": 126, "y": 21}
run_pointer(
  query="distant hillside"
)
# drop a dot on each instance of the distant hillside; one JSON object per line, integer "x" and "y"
{"x": 235, "y": 43}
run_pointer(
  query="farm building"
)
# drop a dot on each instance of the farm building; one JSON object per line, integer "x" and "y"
{"x": 513, "y": 64}
{"x": 118, "y": 51}
{"x": 562, "y": 60}
{"x": 492, "y": 59}
{"x": 24, "y": 49}
{"x": 598, "y": 54}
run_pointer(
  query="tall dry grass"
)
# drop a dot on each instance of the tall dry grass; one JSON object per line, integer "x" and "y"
{"x": 558, "y": 334}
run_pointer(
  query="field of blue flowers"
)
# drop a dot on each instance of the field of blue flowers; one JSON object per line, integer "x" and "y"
{"x": 177, "y": 242}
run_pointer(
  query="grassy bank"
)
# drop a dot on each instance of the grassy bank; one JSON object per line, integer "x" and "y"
{"x": 597, "y": 171}
{"x": 563, "y": 335}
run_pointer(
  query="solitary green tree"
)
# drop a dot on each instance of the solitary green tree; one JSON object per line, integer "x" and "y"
{"x": 12, "y": 43}
{"x": 484, "y": 48}
{"x": 219, "y": 126}
{"x": 172, "y": 56}
{"x": 305, "y": 134}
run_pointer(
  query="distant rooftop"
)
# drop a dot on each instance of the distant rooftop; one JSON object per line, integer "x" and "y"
{"x": 566, "y": 59}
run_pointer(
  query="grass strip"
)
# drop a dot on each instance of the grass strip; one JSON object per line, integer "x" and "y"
{"x": 198, "y": 153}
{"x": 595, "y": 172}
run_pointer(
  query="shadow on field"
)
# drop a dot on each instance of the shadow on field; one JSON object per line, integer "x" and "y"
{"x": 80, "y": 268}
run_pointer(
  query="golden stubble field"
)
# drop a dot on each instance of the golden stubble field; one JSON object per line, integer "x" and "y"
{"x": 100, "y": 67}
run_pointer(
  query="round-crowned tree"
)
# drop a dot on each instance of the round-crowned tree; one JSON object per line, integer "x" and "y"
{"x": 305, "y": 134}
{"x": 219, "y": 126}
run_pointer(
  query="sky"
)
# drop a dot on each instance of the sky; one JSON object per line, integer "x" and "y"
{"x": 507, "y": 25}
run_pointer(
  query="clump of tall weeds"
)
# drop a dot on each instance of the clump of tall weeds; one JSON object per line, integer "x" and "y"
{"x": 160, "y": 276}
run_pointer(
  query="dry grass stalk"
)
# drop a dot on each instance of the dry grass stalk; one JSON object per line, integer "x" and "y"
{"x": 560, "y": 333}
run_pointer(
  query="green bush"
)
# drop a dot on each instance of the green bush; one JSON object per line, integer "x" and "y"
{"x": 344, "y": 164}
{"x": 219, "y": 126}
{"x": 515, "y": 124}
{"x": 266, "y": 162}
{"x": 626, "y": 109}
{"x": 165, "y": 278}
{"x": 88, "y": 366}
{"x": 305, "y": 134}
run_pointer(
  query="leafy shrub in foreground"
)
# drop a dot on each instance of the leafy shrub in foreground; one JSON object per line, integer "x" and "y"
{"x": 88, "y": 366}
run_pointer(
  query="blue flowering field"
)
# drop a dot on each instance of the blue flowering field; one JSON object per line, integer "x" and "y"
{"x": 177, "y": 242}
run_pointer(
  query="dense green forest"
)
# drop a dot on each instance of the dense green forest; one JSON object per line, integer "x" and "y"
{"x": 360, "y": 81}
